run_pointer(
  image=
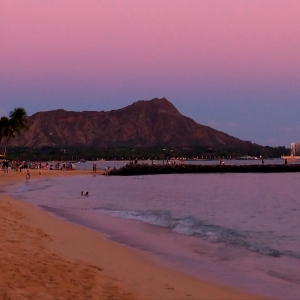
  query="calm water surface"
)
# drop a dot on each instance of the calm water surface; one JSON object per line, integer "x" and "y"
{"x": 237, "y": 229}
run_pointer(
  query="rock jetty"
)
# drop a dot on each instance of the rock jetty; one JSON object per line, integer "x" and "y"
{"x": 145, "y": 169}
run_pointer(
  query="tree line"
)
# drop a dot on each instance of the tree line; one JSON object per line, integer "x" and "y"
{"x": 125, "y": 153}
{"x": 11, "y": 126}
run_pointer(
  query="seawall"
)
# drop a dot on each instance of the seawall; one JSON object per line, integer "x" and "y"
{"x": 144, "y": 169}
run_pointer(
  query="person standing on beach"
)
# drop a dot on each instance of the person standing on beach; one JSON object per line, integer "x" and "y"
{"x": 27, "y": 175}
{"x": 5, "y": 166}
{"x": 95, "y": 168}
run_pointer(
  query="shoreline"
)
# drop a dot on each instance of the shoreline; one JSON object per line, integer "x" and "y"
{"x": 97, "y": 266}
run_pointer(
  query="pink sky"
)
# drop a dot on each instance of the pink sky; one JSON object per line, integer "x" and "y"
{"x": 100, "y": 50}
{"x": 256, "y": 40}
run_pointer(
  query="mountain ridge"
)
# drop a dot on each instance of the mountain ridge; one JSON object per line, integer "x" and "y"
{"x": 144, "y": 123}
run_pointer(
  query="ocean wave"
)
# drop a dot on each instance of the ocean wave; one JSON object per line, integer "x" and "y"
{"x": 193, "y": 227}
{"x": 155, "y": 217}
{"x": 31, "y": 188}
{"x": 264, "y": 250}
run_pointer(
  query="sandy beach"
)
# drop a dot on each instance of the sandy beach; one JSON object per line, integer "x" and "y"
{"x": 43, "y": 257}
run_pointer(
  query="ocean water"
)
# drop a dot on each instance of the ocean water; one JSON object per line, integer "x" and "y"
{"x": 242, "y": 230}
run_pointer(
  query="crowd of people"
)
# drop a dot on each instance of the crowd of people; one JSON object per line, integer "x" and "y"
{"x": 25, "y": 165}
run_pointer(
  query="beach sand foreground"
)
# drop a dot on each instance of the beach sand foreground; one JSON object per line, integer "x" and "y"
{"x": 43, "y": 257}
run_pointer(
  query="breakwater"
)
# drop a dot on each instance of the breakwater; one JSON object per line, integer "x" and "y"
{"x": 145, "y": 169}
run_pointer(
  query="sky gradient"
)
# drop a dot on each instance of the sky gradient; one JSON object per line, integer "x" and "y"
{"x": 233, "y": 65}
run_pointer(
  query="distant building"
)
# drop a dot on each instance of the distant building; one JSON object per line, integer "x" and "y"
{"x": 295, "y": 149}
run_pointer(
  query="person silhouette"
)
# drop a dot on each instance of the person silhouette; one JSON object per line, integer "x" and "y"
{"x": 27, "y": 175}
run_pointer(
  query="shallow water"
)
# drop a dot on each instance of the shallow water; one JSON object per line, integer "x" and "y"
{"x": 237, "y": 229}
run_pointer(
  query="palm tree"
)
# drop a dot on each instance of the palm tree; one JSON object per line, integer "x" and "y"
{"x": 3, "y": 125}
{"x": 12, "y": 126}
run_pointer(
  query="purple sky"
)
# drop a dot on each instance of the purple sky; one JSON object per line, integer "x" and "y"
{"x": 233, "y": 65}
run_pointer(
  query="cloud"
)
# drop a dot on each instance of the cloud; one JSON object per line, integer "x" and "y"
{"x": 222, "y": 125}
{"x": 213, "y": 124}
{"x": 231, "y": 124}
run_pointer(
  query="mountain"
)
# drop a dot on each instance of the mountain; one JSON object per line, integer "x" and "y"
{"x": 142, "y": 124}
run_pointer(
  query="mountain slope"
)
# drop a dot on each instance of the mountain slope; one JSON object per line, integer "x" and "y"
{"x": 144, "y": 123}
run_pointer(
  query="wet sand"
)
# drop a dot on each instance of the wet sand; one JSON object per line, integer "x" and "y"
{"x": 43, "y": 257}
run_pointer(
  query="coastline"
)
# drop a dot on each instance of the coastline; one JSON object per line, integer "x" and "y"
{"x": 50, "y": 258}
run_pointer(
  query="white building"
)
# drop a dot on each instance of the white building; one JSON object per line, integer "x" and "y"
{"x": 295, "y": 149}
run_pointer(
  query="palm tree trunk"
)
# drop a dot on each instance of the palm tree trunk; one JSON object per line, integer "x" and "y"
{"x": 6, "y": 144}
